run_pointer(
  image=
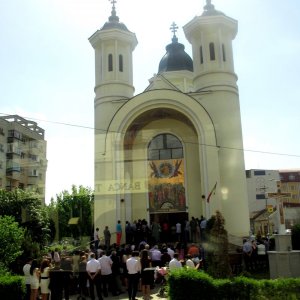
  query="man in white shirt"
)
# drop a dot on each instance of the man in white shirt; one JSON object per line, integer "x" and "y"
{"x": 170, "y": 251}
{"x": 106, "y": 274}
{"x": 93, "y": 269}
{"x": 175, "y": 263}
{"x": 26, "y": 272}
{"x": 134, "y": 268}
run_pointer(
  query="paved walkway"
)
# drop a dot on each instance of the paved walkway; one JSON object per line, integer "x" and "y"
{"x": 154, "y": 295}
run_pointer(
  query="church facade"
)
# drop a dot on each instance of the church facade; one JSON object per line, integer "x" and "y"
{"x": 174, "y": 151}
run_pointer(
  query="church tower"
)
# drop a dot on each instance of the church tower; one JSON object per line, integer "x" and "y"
{"x": 211, "y": 36}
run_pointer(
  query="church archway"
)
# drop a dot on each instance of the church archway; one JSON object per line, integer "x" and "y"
{"x": 166, "y": 180}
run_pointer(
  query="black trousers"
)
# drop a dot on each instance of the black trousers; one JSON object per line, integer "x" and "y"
{"x": 96, "y": 282}
{"x": 133, "y": 281}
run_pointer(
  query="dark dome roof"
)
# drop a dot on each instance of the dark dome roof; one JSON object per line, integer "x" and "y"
{"x": 113, "y": 22}
{"x": 176, "y": 59}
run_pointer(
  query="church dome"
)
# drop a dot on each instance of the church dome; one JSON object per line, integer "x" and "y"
{"x": 113, "y": 22}
{"x": 175, "y": 59}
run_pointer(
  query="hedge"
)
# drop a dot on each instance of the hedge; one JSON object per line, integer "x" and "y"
{"x": 12, "y": 287}
{"x": 189, "y": 284}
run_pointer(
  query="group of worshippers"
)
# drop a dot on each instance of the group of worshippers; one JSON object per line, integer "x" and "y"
{"x": 112, "y": 270}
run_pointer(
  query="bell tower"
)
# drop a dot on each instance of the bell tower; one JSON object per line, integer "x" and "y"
{"x": 211, "y": 36}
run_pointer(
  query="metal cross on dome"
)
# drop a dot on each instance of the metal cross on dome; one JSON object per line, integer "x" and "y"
{"x": 174, "y": 28}
{"x": 113, "y": 2}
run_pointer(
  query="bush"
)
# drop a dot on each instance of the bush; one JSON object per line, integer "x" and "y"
{"x": 12, "y": 287}
{"x": 190, "y": 284}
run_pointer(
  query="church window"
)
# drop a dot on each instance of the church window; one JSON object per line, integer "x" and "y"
{"x": 121, "y": 63}
{"x": 212, "y": 51}
{"x": 201, "y": 55}
{"x": 110, "y": 63}
{"x": 223, "y": 52}
{"x": 165, "y": 146}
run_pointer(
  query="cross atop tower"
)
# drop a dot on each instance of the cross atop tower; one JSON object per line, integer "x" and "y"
{"x": 113, "y": 2}
{"x": 173, "y": 28}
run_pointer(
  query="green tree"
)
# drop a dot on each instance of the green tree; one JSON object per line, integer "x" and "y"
{"x": 11, "y": 239}
{"x": 28, "y": 211}
{"x": 217, "y": 258}
{"x": 79, "y": 204}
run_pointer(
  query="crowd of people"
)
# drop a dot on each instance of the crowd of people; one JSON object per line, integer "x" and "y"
{"x": 106, "y": 268}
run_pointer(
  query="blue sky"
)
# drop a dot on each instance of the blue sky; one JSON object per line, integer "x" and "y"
{"x": 47, "y": 72}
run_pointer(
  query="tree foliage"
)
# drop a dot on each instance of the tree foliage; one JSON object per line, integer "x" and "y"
{"x": 11, "y": 239}
{"x": 27, "y": 210}
{"x": 68, "y": 205}
{"x": 217, "y": 258}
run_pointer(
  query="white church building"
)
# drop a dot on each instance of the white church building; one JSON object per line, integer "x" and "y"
{"x": 162, "y": 154}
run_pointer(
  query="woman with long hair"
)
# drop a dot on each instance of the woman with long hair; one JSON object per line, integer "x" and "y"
{"x": 146, "y": 275}
{"x": 45, "y": 280}
{"x": 34, "y": 280}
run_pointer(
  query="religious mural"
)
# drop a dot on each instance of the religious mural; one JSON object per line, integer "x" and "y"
{"x": 166, "y": 186}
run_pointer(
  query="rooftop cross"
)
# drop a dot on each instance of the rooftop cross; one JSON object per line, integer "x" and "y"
{"x": 208, "y": 5}
{"x": 174, "y": 28}
{"x": 113, "y": 2}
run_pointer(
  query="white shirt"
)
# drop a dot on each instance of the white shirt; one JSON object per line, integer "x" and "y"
{"x": 178, "y": 228}
{"x": 93, "y": 266}
{"x": 174, "y": 264}
{"x": 133, "y": 265}
{"x": 26, "y": 271}
{"x": 190, "y": 264}
{"x": 170, "y": 252}
{"x": 105, "y": 265}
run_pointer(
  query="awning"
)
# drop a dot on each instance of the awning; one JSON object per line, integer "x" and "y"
{"x": 73, "y": 221}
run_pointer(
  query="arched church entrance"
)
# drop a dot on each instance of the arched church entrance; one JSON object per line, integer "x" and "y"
{"x": 166, "y": 180}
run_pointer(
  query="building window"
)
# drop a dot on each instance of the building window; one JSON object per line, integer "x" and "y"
{"x": 121, "y": 63}
{"x": 212, "y": 51}
{"x": 259, "y": 172}
{"x": 165, "y": 146}
{"x": 110, "y": 63}
{"x": 223, "y": 52}
{"x": 201, "y": 55}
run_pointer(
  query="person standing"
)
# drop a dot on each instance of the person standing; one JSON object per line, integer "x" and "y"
{"x": 44, "y": 284}
{"x": 147, "y": 275}
{"x": 175, "y": 263}
{"x": 93, "y": 269}
{"x": 26, "y": 272}
{"x": 96, "y": 238}
{"x": 106, "y": 274}
{"x": 56, "y": 282}
{"x": 119, "y": 232}
{"x": 134, "y": 268}
{"x": 34, "y": 280}
{"x": 178, "y": 231}
{"x": 107, "y": 237}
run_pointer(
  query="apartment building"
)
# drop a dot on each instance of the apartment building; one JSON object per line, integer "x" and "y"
{"x": 23, "y": 161}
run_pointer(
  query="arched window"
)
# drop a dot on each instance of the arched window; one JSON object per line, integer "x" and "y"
{"x": 110, "y": 63}
{"x": 165, "y": 146}
{"x": 223, "y": 52}
{"x": 212, "y": 51}
{"x": 121, "y": 63}
{"x": 201, "y": 55}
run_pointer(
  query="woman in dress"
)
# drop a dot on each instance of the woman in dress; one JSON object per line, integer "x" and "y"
{"x": 34, "y": 280}
{"x": 45, "y": 279}
{"x": 146, "y": 275}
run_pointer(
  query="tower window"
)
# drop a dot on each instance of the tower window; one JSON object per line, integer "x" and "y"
{"x": 121, "y": 63}
{"x": 201, "y": 55}
{"x": 110, "y": 63}
{"x": 223, "y": 52}
{"x": 212, "y": 51}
